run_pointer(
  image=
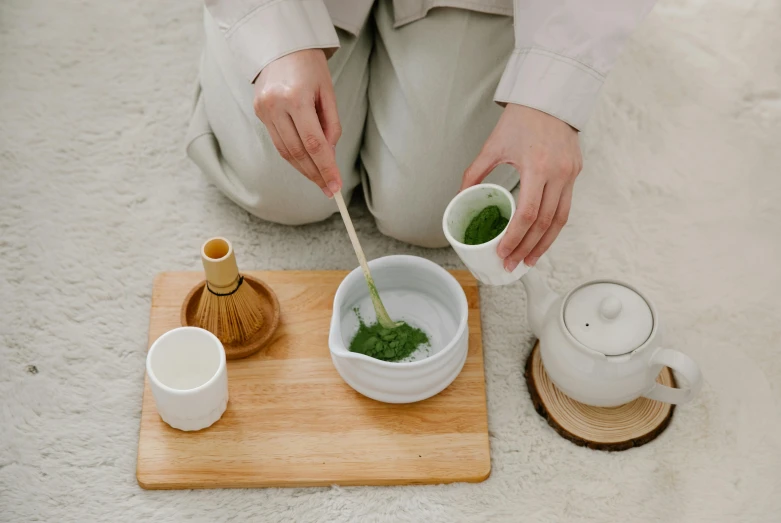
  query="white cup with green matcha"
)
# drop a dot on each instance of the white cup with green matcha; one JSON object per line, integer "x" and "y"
{"x": 474, "y": 223}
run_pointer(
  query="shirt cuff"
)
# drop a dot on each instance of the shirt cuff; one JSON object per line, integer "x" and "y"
{"x": 277, "y": 29}
{"x": 551, "y": 83}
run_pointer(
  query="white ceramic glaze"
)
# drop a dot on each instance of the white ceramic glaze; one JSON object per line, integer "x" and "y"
{"x": 188, "y": 377}
{"x": 601, "y": 343}
{"x": 608, "y": 318}
{"x": 424, "y": 295}
{"x": 481, "y": 260}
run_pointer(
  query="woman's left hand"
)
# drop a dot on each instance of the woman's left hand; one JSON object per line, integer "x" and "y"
{"x": 546, "y": 153}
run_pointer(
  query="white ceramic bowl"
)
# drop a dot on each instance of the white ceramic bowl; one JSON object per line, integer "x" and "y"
{"x": 424, "y": 295}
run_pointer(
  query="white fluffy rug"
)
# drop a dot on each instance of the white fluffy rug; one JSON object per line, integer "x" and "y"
{"x": 680, "y": 194}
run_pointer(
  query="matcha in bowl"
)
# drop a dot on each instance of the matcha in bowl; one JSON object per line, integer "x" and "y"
{"x": 397, "y": 344}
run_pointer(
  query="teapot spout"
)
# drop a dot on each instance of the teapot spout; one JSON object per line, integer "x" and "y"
{"x": 539, "y": 299}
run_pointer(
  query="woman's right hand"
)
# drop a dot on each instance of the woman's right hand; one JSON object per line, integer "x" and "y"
{"x": 294, "y": 98}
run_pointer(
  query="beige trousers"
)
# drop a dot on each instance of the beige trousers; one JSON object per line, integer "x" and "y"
{"x": 415, "y": 104}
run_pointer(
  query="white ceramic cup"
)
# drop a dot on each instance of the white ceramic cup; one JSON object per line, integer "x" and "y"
{"x": 481, "y": 260}
{"x": 188, "y": 377}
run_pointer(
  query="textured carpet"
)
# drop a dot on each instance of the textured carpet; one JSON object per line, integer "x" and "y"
{"x": 679, "y": 195}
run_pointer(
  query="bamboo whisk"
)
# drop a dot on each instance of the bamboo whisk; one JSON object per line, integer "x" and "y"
{"x": 229, "y": 308}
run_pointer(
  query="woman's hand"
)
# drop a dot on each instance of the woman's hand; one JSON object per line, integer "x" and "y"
{"x": 294, "y": 98}
{"x": 546, "y": 153}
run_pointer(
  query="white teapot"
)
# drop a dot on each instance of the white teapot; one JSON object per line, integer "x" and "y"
{"x": 601, "y": 343}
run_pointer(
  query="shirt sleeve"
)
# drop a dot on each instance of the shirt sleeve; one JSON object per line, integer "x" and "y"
{"x": 563, "y": 51}
{"x": 260, "y": 31}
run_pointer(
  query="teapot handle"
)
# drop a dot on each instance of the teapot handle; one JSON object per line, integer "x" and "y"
{"x": 683, "y": 364}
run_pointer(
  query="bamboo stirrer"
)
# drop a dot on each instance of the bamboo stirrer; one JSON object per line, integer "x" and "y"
{"x": 379, "y": 308}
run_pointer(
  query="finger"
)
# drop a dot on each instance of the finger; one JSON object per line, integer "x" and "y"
{"x": 273, "y": 133}
{"x": 289, "y": 134}
{"x": 329, "y": 116}
{"x": 281, "y": 148}
{"x": 318, "y": 148}
{"x": 525, "y": 215}
{"x": 480, "y": 168}
{"x": 559, "y": 221}
{"x": 550, "y": 200}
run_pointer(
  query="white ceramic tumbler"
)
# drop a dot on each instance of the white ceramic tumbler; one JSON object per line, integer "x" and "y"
{"x": 188, "y": 377}
{"x": 481, "y": 260}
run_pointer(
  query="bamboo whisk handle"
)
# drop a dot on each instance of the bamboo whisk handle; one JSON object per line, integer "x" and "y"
{"x": 219, "y": 264}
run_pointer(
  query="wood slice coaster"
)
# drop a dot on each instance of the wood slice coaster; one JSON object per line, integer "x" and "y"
{"x": 601, "y": 428}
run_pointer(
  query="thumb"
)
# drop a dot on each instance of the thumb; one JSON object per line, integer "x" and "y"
{"x": 329, "y": 116}
{"x": 480, "y": 168}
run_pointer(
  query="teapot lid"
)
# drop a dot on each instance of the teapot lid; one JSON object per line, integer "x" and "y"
{"x": 608, "y": 317}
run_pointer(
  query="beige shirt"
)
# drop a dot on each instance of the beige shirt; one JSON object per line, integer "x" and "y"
{"x": 563, "y": 48}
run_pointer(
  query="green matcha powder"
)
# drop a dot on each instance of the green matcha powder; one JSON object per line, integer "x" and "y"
{"x": 387, "y": 344}
{"x": 487, "y": 225}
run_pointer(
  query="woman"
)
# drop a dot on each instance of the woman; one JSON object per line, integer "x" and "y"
{"x": 410, "y": 101}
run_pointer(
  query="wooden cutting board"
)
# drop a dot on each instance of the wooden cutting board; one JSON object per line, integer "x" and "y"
{"x": 291, "y": 420}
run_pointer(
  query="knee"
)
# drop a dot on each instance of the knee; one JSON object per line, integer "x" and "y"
{"x": 274, "y": 192}
{"x": 410, "y": 208}
{"x": 413, "y": 215}
{"x": 277, "y": 204}
{"x": 423, "y": 234}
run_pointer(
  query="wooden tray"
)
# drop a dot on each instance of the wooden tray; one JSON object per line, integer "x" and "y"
{"x": 291, "y": 420}
{"x": 601, "y": 428}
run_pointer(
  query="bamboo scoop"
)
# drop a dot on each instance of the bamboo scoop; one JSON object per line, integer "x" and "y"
{"x": 379, "y": 308}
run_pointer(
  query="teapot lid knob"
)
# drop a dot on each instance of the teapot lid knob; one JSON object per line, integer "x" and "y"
{"x": 608, "y": 317}
{"x": 610, "y": 308}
